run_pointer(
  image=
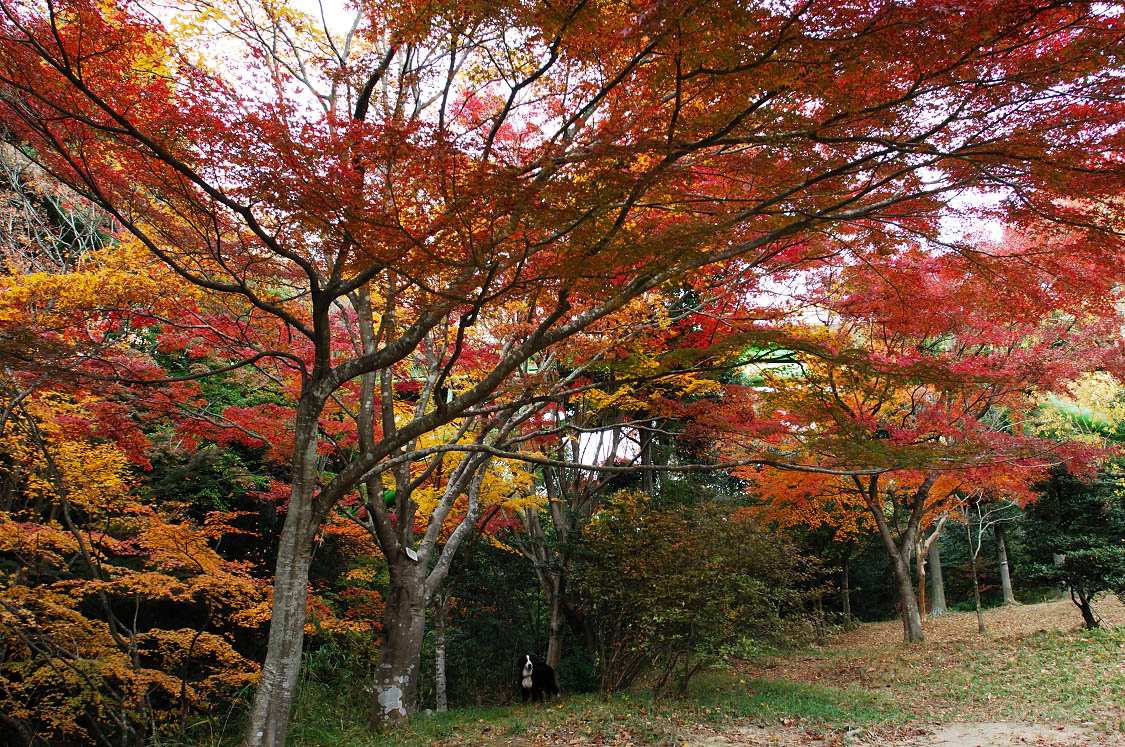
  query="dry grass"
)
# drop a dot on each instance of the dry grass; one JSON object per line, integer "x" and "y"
{"x": 1001, "y": 622}
{"x": 1033, "y": 663}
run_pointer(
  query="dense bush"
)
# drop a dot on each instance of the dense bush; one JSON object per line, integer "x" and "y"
{"x": 668, "y": 588}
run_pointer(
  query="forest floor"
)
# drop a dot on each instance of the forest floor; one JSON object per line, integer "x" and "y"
{"x": 1035, "y": 677}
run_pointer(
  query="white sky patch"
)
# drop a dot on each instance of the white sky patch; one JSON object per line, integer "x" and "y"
{"x": 955, "y": 226}
{"x": 597, "y": 448}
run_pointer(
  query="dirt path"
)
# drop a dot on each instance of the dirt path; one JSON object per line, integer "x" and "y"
{"x": 968, "y": 734}
{"x": 1000, "y": 734}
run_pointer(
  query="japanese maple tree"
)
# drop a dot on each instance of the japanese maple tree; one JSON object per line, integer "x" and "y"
{"x": 519, "y": 172}
{"x": 907, "y": 407}
{"x": 118, "y": 617}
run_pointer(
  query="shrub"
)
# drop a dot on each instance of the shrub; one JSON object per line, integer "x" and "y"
{"x": 668, "y": 589}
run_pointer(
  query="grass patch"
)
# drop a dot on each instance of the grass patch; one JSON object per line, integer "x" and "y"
{"x": 1025, "y": 673}
{"x": 779, "y": 699}
{"x": 1046, "y": 676}
{"x": 337, "y": 716}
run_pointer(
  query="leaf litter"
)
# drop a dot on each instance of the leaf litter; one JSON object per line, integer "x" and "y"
{"x": 1033, "y": 678}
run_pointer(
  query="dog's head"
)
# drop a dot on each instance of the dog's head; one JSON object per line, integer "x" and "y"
{"x": 528, "y": 667}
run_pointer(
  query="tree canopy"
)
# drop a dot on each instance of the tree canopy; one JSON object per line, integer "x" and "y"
{"x": 426, "y": 230}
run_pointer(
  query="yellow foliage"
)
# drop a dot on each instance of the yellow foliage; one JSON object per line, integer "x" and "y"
{"x": 78, "y": 547}
{"x": 121, "y": 277}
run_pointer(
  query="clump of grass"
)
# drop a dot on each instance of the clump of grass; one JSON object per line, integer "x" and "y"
{"x": 770, "y": 700}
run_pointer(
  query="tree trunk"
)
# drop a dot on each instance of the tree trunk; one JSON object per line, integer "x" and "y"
{"x": 846, "y": 590}
{"x": 441, "y": 612}
{"x": 1005, "y": 575}
{"x": 648, "y": 482}
{"x": 1082, "y": 602}
{"x": 976, "y": 597}
{"x": 556, "y": 623}
{"x": 976, "y": 580}
{"x": 921, "y": 553}
{"x": 582, "y": 628}
{"x": 1057, "y": 591}
{"x": 911, "y": 618}
{"x": 938, "y": 605}
{"x": 269, "y": 713}
{"x": 900, "y": 552}
{"x": 920, "y": 561}
{"x": 395, "y": 687}
{"x": 395, "y": 682}
{"x": 819, "y": 621}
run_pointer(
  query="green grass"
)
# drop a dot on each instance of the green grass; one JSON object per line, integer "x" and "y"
{"x": 1048, "y": 676}
{"x": 776, "y": 699}
{"x": 1053, "y": 676}
{"x": 336, "y": 716}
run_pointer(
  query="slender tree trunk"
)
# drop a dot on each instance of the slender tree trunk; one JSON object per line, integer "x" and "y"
{"x": 920, "y": 561}
{"x": 846, "y": 590}
{"x": 648, "y": 482}
{"x": 938, "y": 604}
{"x": 973, "y": 550}
{"x": 911, "y": 618}
{"x": 976, "y": 596}
{"x": 900, "y": 551}
{"x": 1082, "y": 602}
{"x": 556, "y": 623}
{"x": 1057, "y": 591}
{"x": 269, "y": 713}
{"x": 441, "y": 612}
{"x": 395, "y": 687}
{"x": 819, "y": 620}
{"x": 1005, "y": 575}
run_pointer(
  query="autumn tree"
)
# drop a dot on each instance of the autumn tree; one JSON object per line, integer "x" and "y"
{"x": 519, "y": 173}
{"x": 118, "y": 618}
{"x": 980, "y": 513}
{"x": 617, "y": 430}
{"x": 825, "y": 507}
{"x": 912, "y": 408}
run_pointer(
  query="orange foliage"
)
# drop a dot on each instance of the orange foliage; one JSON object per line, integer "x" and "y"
{"x": 115, "y": 616}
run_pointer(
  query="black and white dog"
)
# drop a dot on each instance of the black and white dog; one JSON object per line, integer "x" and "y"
{"x": 537, "y": 680}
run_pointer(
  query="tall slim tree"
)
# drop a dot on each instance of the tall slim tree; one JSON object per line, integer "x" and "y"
{"x": 938, "y": 605}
